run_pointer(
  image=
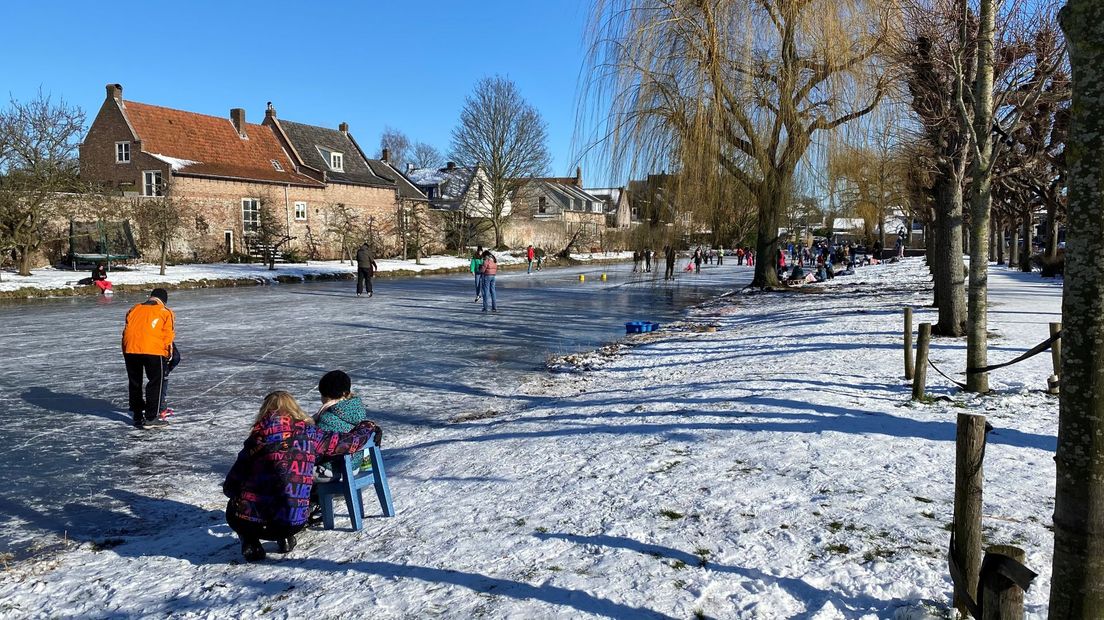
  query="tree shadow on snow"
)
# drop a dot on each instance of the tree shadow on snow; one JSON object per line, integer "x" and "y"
{"x": 485, "y": 584}
{"x": 813, "y": 597}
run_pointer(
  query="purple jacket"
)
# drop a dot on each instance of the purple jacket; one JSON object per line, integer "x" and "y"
{"x": 271, "y": 481}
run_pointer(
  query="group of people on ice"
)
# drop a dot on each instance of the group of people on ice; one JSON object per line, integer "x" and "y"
{"x": 824, "y": 260}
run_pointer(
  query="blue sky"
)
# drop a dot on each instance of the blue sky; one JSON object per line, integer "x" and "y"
{"x": 372, "y": 64}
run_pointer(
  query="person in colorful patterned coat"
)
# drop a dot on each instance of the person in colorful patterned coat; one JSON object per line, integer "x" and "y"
{"x": 269, "y": 485}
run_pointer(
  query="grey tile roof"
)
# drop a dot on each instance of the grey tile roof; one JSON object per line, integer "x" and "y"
{"x": 407, "y": 190}
{"x": 310, "y": 141}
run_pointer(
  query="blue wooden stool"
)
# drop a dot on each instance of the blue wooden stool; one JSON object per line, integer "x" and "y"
{"x": 350, "y": 483}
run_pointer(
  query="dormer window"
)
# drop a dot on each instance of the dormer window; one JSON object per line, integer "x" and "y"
{"x": 480, "y": 191}
{"x": 276, "y": 165}
{"x": 542, "y": 205}
{"x": 122, "y": 152}
{"x": 337, "y": 162}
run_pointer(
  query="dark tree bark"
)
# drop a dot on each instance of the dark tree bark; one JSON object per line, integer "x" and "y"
{"x": 1077, "y": 582}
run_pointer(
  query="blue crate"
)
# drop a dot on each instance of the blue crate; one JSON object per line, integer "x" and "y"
{"x": 640, "y": 327}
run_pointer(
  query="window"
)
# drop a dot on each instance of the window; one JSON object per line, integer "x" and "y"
{"x": 542, "y": 205}
{"x": 300, "y": 210}
{"x": 277, "y": 166}
{"x": 251, "y": 214}
{"x": 122, "y": 152}
{"x": 480, "y": 197}
{"x": 151, "y": 183}
{"x": 337, "y": 162}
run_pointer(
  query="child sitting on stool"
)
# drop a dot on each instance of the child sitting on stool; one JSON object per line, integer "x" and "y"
{"x": 270, "y": 484}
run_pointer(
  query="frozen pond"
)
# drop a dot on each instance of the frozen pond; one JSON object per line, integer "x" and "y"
{"x": 420, "y": 353}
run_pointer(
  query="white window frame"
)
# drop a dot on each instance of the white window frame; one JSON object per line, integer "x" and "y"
{"x": 276, "y": 165}
{"x": 250, "y": 223}
{"x": 122, "y": 152}
{"x": 337, "y": 161}
{"x": 300, "y": 211}
{"x": 152, "y": 189}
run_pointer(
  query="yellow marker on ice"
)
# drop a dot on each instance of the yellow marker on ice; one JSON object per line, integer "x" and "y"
{"x": 603, "y": 277}
{"x": 582, "y": 278}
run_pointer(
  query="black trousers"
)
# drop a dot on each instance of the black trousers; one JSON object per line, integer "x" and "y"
{"x": 249, "y": 531}
{"x": 364, "y": 281}
{"x": 148, "y": 403}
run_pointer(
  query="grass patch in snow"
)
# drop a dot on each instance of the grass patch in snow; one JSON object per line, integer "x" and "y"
{"x": 542, "y": 530}
{"x": 922, "y": 500}
{"x": 839, "y": 548}
{"x": 928, "y": 514}
{"x": 878, "y": 552}
{"x": 677, "y": 564}
{"x": 680, "y": 584}
{"x": 520, "y": 522}
{"x": 673, "y": 515}
{"x": 703, "y": 555}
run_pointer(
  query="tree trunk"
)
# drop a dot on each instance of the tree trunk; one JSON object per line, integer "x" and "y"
{"x": 1052, "y": 231}
{"x": 164, "y": 251}
{"x": 772, "y": 195}
{"x": 1077, "y": 582}
{"x": 1014, "y": 247}
{"x": 1000, "y": 241}
{"x": 1025, "y": 257}
{"x": 981, "y": 202}
{"x": 947, "y": 243}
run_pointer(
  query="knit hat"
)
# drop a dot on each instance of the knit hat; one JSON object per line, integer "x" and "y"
{"x": 334, "y": 384}
{"x": 161, "y": 294}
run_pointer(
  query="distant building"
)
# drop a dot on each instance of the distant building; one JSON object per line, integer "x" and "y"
{"x": 228, "y": 168}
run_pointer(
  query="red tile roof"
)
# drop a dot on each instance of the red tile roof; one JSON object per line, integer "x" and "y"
{"x": 210, "y": 145}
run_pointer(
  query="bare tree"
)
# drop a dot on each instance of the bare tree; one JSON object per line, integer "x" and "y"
{"x": 426, "y": 155}
{"x": 397, "y": 145}
{"x": 736, "y": 88}
{"x": 38, "y": 147}
{"x": 344, "y": 225}
{"x": 160, "y": 219}
{"x": 504, "y": 135}
{"x": 271, "y": 231}
{"x": 1077, "y": 582}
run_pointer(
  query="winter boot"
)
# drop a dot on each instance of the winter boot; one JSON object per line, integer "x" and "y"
{"x": 252, "y": 551}
{"x": 287, "y": 544}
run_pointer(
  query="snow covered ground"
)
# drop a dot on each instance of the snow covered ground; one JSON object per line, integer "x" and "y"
{"x": 772, "y": 468}
{"x": 49, "y": 278}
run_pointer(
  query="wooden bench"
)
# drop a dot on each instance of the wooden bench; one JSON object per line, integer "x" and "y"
{"x": 349, "y": 482}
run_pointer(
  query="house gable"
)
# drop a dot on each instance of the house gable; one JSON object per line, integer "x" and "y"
{"x": 316, "y": 148}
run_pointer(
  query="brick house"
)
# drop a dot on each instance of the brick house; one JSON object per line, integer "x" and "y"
{"x": 370, "y": 188}
{"x": 227, "y": 168}
{"x": 553, "y": 210}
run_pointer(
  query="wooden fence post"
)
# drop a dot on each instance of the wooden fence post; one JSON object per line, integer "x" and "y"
{"x": 908, "y": 343}
{"x": 1003, "y": 597}
{"x": 1055, "y": 380}
{"x": 969, "y": 449}
{"x": 920, "y": 375}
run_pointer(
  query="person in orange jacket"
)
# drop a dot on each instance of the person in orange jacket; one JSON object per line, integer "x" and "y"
{"x": 148, "y": 348}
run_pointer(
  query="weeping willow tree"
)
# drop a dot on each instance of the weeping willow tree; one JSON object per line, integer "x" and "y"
{"x": 731, "y": 91}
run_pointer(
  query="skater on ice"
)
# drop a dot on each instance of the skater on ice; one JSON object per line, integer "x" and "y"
{"x": 147, "y": 349}
{"x": 366, "y": 269}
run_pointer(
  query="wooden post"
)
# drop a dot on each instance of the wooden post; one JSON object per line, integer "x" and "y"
{"x": 920, "y": 376}
{"x": 908, "y": 343}
{"x": 1003, "y": 598}
{"x": 1054, "y": 381}
{"x": 969, "y": 447}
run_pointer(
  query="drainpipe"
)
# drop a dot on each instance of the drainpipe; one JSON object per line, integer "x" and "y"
{"x": 287, "y": 210}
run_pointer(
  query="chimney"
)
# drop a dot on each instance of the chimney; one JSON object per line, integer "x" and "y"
{"x": 343, "y": 127}
{"x": 115, "y": 91}
{"x": 409, "y": 168}
{"x": 578, "y": 176}
{"x": 237, "y": 116}
{"x": 386, "y": 154}
{"x": 270, "y": 112}
{"x": 450, "y": 166}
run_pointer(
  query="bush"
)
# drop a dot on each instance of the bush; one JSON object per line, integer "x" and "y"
{"x": 238, "y": 257}
{"x": 293, "y": 255}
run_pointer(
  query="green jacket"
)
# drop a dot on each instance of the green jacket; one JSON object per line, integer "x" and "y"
{"x": 475, "y": 264}
{"x": 342, "y": 417}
